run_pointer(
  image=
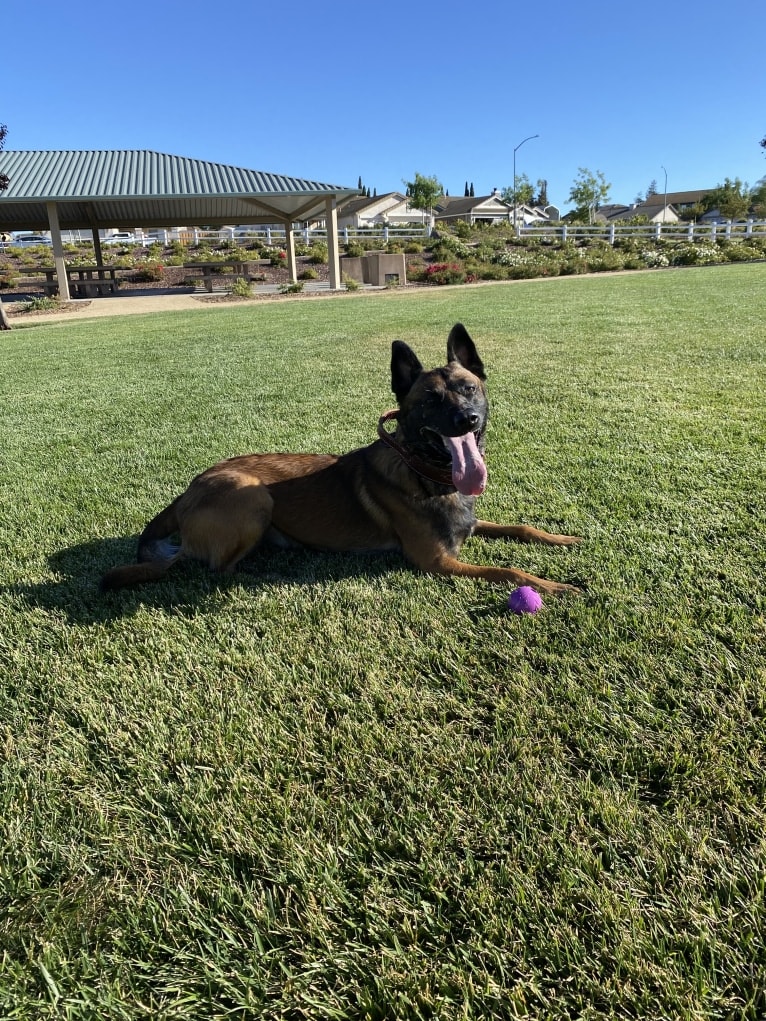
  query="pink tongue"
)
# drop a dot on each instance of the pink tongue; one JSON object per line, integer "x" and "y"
{"x": 469, "y": 473}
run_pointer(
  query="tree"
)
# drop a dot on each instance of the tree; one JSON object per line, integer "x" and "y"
{"x": 423, "y": 192}
{"x": 651, "y": 190}
{"x": 762, "y": 143}
{"x": 758, "y": 197}
{"x": 471, "y": 192}
{"x": 467, "y": 193}
{"x": 542, "y": 193}
{"x": 732, "y": 199}
{"x": 588, "y": 192}
{"x": 523, "y": 194}
{"x": 4, "y": 182}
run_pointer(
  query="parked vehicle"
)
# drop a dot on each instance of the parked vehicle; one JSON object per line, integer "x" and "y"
{"x": 27, "y": 240}
{"x": 123, "y": 237}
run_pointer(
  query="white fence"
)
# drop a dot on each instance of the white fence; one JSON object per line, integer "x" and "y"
{"x": 714, "y": 231}
{"x": 275, "y": 236}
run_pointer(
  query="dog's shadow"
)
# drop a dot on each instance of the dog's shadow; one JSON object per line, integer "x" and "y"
{"x": 74, "y": 593}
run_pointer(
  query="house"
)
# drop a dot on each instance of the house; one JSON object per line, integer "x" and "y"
{"x": 482, "y": 209}
{"x": 680, "y": 200}
{"x": 654, "y": 209}
{"x": 492, "y": 209}
{"x": 392, "y": 210}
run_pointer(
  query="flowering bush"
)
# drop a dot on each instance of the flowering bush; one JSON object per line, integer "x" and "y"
{"x": 653, "y": 258}
{"x": 445, "y": 273}
{"x": 149, "y": 272}
{"x": 276, "y": 256}
{"x": 695, "y": 253}
{"x": 739, "y": 251}
{"x": 448, "y": 245}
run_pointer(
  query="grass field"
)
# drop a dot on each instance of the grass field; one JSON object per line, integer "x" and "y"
{"x": 330, "y": 787}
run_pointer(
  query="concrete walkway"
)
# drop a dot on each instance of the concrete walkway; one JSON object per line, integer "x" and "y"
{"x": 149, "y": 301}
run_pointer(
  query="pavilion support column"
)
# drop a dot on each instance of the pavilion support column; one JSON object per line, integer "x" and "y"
{"x": 97, "y": 246}
{"x": 290, "y": 251}
{"x": 333, "y": 254}
{"x": 58, "y": 250}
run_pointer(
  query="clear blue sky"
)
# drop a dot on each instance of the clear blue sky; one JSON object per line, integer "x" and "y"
{"x": 332, "y": 91}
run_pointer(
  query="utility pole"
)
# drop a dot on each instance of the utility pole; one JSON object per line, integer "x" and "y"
{"x": 515, "y": 203}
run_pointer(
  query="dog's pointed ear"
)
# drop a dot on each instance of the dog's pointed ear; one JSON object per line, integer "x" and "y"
{"x": 405, "y": 369}
{"x": 460, "y": 348}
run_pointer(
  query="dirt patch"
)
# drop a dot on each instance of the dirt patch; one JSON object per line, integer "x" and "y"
{"x": 21, "y": 309}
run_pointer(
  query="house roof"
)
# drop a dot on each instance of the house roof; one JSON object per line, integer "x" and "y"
{"x": 679, "y": 197}
{"x": 357, "y": 204}
{"x": 613, "y": 210}
{"x": 100, "y": 188}
{"x": 456, "y": 206}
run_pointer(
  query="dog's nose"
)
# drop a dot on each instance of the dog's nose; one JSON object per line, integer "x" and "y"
{"x": 465, "y": 419}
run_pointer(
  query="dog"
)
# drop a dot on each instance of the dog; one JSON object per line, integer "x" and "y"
{"x": 412, "y": 490}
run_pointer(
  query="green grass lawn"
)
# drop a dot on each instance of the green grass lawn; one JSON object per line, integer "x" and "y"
{"x": 331, "y": 787}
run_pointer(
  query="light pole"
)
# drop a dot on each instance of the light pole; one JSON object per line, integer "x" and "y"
{"x": 515, "y": 203}
{"x": 665, "y": 203}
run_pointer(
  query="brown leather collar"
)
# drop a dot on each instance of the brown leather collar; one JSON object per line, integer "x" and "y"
{"x": 428, "y": 471}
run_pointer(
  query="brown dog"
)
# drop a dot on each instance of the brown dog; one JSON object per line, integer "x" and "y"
{"x": 413, "y": 490}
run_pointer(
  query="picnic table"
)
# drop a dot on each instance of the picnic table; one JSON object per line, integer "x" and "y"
{"x": 208, "y": 270}
{"x": 85, "y": 285}
{"x": 51, "y": 285}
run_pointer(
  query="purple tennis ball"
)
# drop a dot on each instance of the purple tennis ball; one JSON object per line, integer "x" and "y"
{"x": 524, "y": 600}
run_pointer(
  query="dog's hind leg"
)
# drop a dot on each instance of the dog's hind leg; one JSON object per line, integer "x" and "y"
{"x": 226, "y": 523}
{"x": 524, "y": 533}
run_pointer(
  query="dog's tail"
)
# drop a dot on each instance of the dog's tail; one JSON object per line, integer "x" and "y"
{"x": 155, "y": 556}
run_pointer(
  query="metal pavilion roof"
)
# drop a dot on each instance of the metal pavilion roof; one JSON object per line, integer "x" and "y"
{"x": 138, "y": 187}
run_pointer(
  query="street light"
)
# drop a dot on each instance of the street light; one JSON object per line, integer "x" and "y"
{"x": 665, "y": 204}
{"x": 515, "y": 203}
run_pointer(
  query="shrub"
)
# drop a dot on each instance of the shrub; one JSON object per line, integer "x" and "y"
{"x": 601, "y": 257}
{"x": 416, "y": 272}
{"x": 653, "y": 258}
{"x": 451, "y": 247}
{"x": 149, "y": 272}
{"x": 241, "y": 287}
{"x": 739, "y": 251}
{"x": 413, "y": 248}
{"x": 354, "y": 249}
{"x": 8, "y": 278}
{"x": 308, "y": 274}
{"x": 41, "y": 305}
{"x": 695, "y": 253}
{"x": 351, "y": 283}
{"x": 276, "y": 256}
{"x": 488, "y": 271}
{"x": 293, "y": 288}
{"x": 445, "y": 273}
{"x": 318, "y": 253}
{"x": 462, "y": 230}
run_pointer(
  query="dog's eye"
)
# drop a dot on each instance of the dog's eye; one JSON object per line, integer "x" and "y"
{"x": 469, "y": 388}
